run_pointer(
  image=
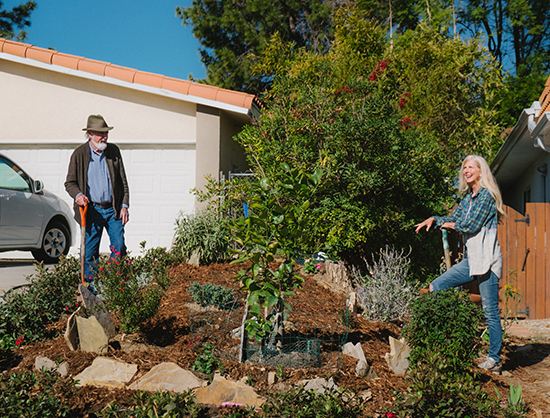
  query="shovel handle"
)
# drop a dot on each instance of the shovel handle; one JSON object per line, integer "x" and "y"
{"x": 83, "y": 212}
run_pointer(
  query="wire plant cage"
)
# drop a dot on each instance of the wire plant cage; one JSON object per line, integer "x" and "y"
{"x": 311, "y": 334}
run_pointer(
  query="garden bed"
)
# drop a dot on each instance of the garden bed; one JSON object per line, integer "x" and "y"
{"x": 166, "y": 338}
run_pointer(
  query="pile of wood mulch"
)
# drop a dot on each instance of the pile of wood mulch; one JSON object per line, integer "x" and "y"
{"x": 167, "y": 338}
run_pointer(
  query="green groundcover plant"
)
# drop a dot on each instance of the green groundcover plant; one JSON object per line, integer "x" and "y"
{"x": 213, "y": 295}
{"x": 133, "y": 287}
{"x": 37, "y": 394}
{"x": 158, "y": 404}
{"x": 25, "y": 314}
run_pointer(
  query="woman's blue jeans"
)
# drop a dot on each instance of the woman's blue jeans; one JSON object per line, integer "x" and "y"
{"x": 458, "y": 275}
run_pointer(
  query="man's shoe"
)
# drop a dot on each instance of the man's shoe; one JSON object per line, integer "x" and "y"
{"x": 490, "y": 364}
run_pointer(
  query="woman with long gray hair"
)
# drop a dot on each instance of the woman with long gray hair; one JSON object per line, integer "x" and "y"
{"x": 476, "y": 218}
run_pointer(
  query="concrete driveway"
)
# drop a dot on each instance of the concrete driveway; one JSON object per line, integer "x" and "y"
{"x": 14, "y": 272}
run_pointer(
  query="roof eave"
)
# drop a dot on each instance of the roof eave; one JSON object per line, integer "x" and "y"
{"x": 521, "y": 143}
{"x": 248, "y": 112}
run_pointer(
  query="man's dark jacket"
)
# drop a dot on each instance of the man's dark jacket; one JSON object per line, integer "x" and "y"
{"x": 77, "y": 177}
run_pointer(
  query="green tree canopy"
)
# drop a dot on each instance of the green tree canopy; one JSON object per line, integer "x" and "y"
{"x": 517, "y": 34}
{"x": 387, "y": 124}
{"x": 16, "y": 18}
{"x": 232, "y": 33}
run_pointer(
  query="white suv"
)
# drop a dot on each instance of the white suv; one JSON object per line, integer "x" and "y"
{"x": 31, "y": 218}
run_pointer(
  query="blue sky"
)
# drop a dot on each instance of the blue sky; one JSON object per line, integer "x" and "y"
{"x": 141, "y": 34}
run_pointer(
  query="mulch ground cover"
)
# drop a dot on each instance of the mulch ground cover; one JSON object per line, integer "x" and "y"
{"x": 167, "y": 338}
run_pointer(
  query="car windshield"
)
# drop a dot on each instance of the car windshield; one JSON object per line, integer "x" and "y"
{"x": 13, "y": 178}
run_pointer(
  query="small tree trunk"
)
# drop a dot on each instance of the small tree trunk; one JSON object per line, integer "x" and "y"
{"x": 244, "y": 336}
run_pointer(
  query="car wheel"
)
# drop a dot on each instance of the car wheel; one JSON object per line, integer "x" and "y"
{"x": 56, "y": 242}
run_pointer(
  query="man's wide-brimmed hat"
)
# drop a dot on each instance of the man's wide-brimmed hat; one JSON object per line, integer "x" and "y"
{"x": 96, "y": 123}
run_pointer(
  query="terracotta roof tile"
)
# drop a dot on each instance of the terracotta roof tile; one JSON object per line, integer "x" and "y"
{"x": 148, "y": 79}
{"x": 232, "y": 97}
{"x": 15, "y": 48}
{"x": 129, "y": 75}
{"x": 545, "y": 99}
{"x": 66, "y": 60}
{"x": 40, "y": 54}
{"x": 203, "y": 90}
{"x": 92, "y": 66}
{"x": 121, "y": 73}
{"x": 176, "y": 85}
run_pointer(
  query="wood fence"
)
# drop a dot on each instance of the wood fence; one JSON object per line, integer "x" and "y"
{"x": 523, "y": 241}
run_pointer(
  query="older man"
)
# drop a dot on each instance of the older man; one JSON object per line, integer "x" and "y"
{"x": 96, "y": 177}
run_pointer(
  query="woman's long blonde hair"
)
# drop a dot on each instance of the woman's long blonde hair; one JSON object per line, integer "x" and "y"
{"x": 488, "y": 182}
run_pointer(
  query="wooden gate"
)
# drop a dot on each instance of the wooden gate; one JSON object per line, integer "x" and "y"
{"x": 523, "y": 243}
{"x": 522, "y": 240}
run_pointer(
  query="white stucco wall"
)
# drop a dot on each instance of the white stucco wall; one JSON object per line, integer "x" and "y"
{"x": 39, "y": 104}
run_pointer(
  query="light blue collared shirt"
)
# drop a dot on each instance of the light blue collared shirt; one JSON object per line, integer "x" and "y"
{"x": 99, "y": 183}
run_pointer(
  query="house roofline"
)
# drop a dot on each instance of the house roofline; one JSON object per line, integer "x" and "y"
{"x": 525, "y": 144}
{"x": 232, "y": 101}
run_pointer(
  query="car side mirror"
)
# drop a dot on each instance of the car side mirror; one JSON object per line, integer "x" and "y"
{"x": 38, "y": 187}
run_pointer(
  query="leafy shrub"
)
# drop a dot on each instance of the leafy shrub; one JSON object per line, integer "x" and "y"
{"x": 273, "y": 229}
{"x": 204, "y": 231}
{"x": 444, "y": 322}
{"x": 443, "y": 337}
{"x": 436, "y": 393}
{"x": 50, "y": 294}
{"x": 158, "y": 404}
{"x": 384, "y": 293}
{"x": 212, "y": 294}
{"x": 301, "y": 403}
{"x": 154, "y": 263}
{"x": 35, "y": 395}
{"x": 127, "y": 289}
{"x": 206, "y": 362}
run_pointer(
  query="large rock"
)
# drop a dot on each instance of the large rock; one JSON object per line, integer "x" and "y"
{"x": 355, "y": 351}
{"x": 95, "y": 306}
{"x": 397, "y": 358}
{"x": 351, "y": 303}
{"x": 168, "y": 377}
{"x": 222, "y": 390}
{"x": 363, "y": 369}
{"x": 44, "y": 363}
{"x": 92, "y": 335}
{"x": 320, "y": 385}
{"x": 335, "y": 277}
{"x": 195, "y": 259}
{"x": 106, "y": 372}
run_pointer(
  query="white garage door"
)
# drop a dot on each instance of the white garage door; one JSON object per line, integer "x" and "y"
{"x": 160, "y": 177}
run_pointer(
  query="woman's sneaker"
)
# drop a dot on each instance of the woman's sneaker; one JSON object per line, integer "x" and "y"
{"x": 490, "y": 364}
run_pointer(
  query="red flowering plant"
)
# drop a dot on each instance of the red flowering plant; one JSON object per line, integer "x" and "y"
{"x": 378, "y": 70}
{"x": 9, "y": 342}
{"x": 132, "y": 286}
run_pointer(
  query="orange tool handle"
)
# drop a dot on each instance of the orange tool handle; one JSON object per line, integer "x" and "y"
{"x": 83, "y": 212}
